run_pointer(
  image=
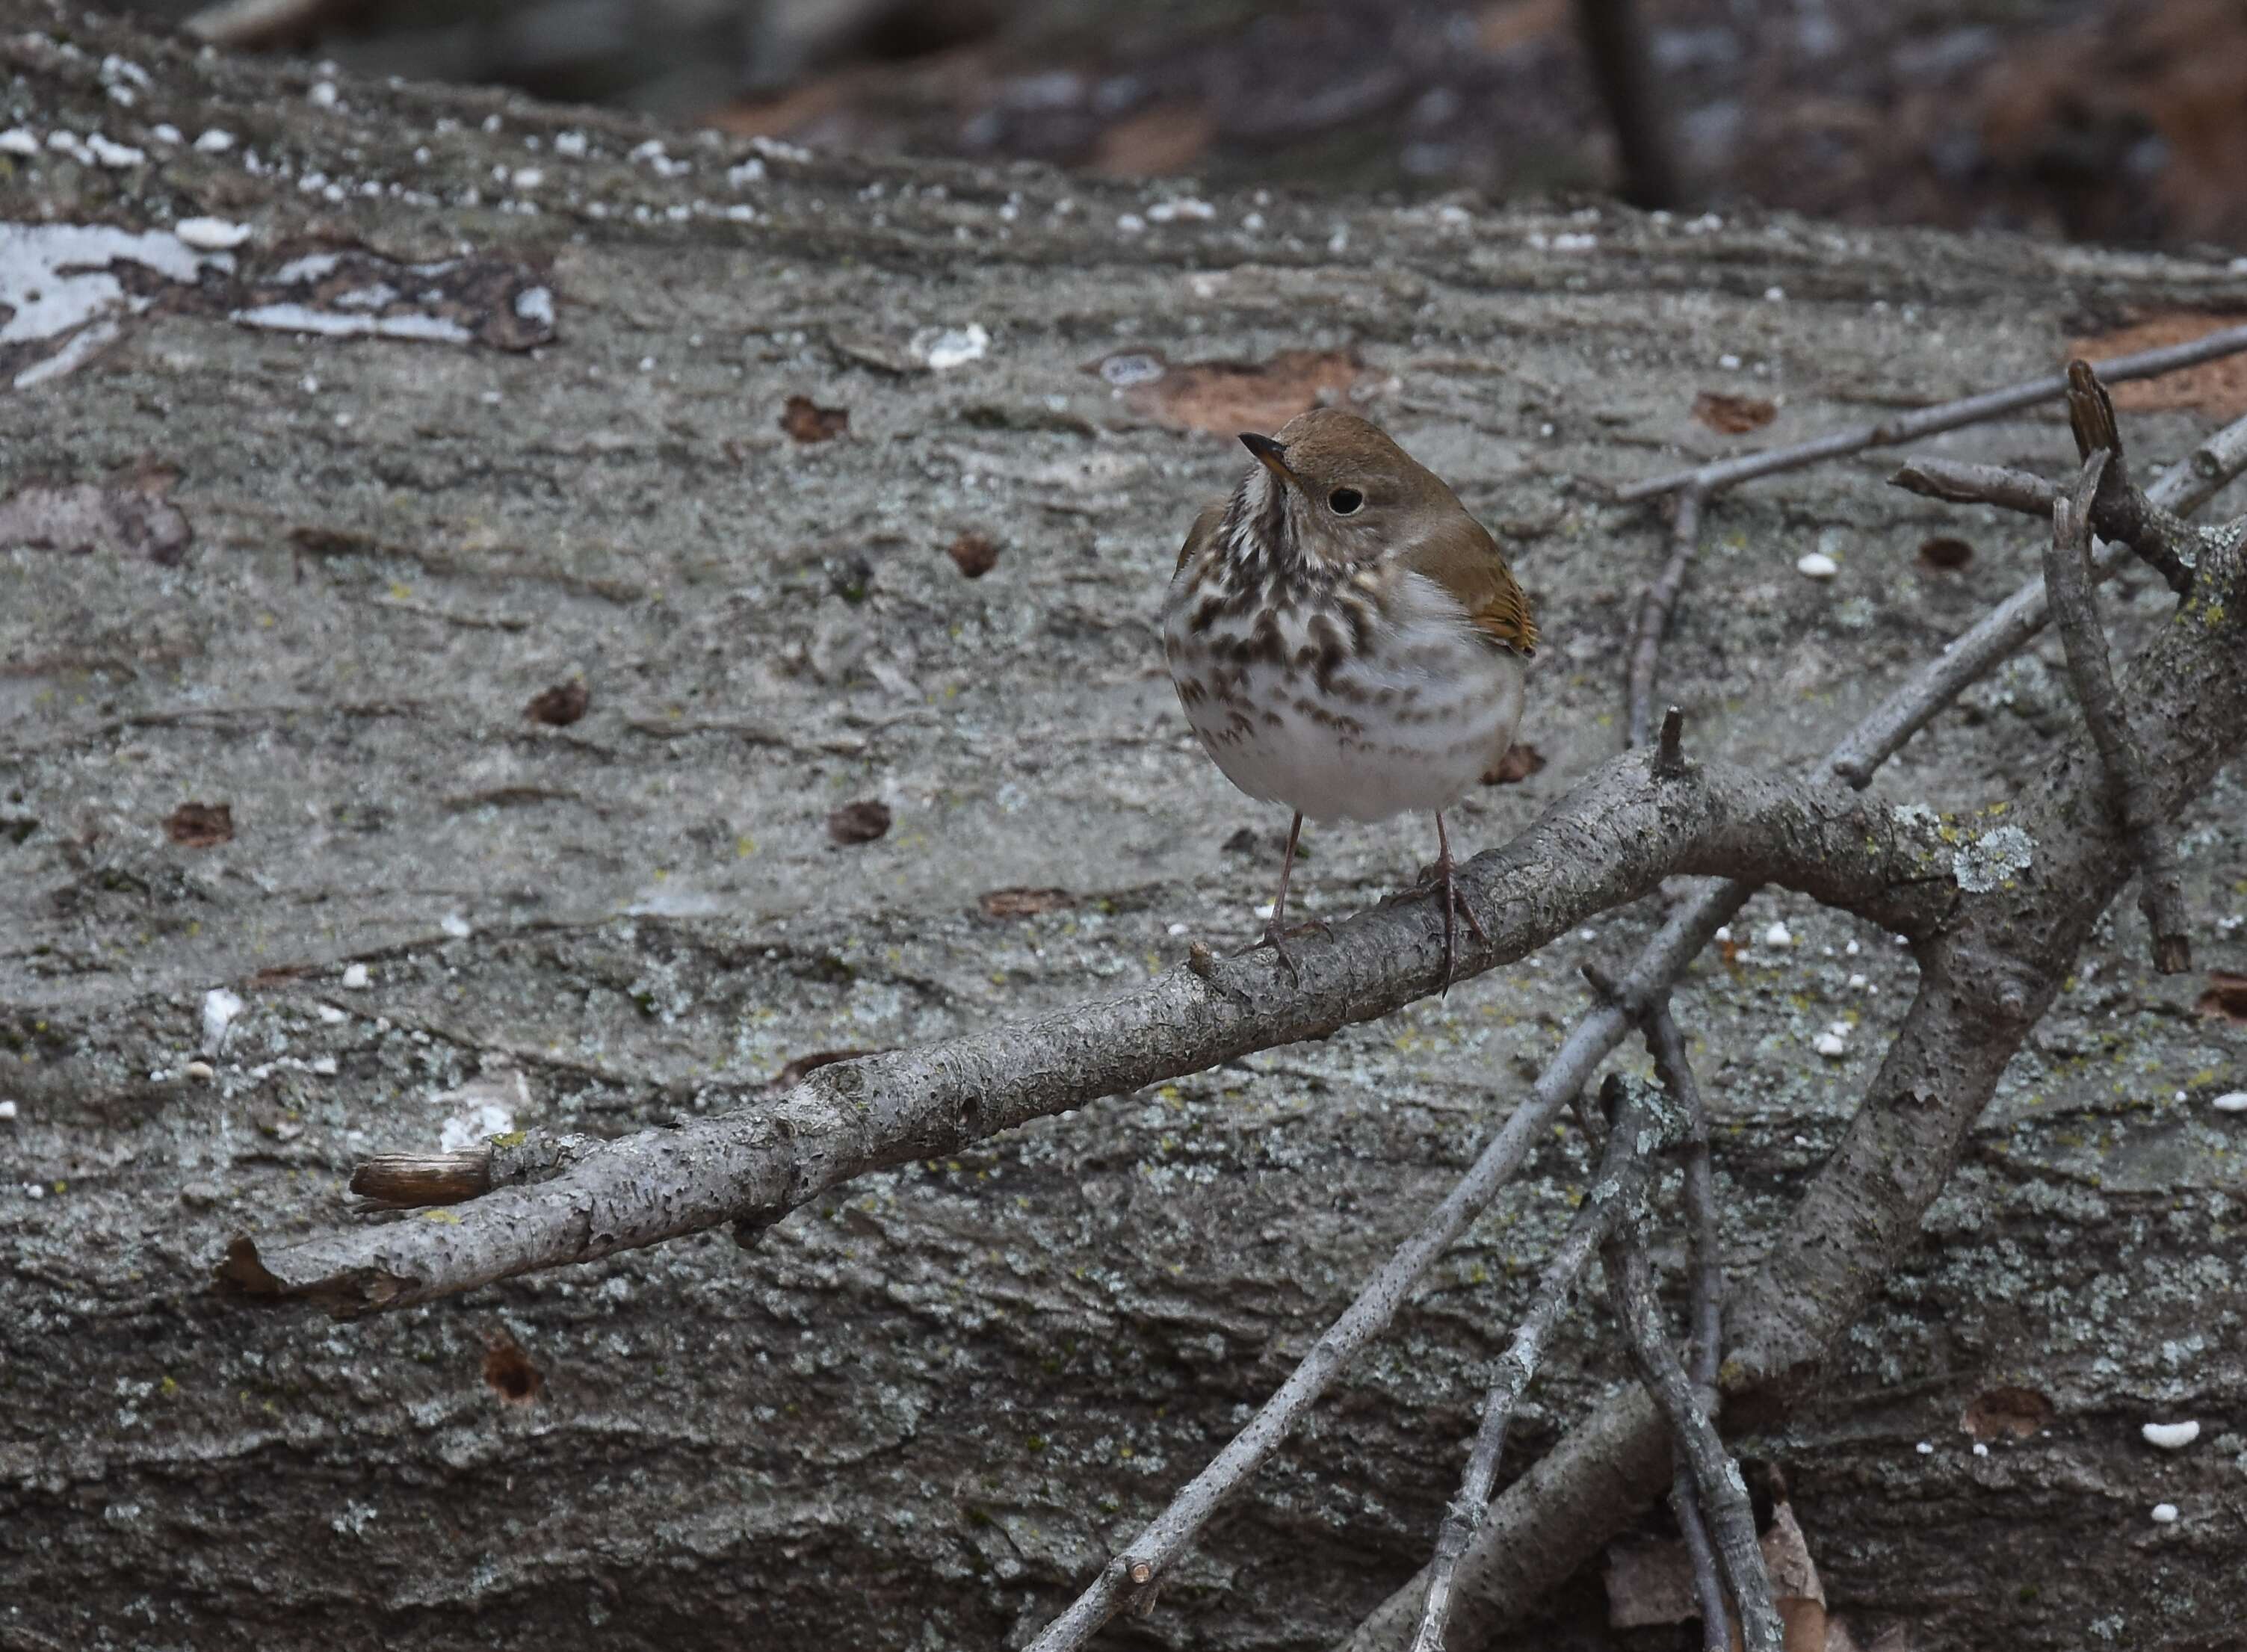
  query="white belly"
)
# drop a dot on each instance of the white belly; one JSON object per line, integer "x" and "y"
{"x": 1409, "y": 725}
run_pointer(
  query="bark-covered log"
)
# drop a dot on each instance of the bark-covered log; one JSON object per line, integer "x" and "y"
{"x": 321, "y": 580}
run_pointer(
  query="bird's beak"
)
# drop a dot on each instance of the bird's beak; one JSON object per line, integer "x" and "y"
{"x": 1270, "y": 453}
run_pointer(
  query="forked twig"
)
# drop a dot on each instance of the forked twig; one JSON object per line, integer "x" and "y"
{"x": 1707, "y": 1474}
{"x": 1673, "y": 1069}
{"x": 2161, "y": 888}
{"x": 1641, "y": 1123}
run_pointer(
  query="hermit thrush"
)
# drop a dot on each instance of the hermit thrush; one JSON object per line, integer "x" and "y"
{"x": 1346, "y": 639}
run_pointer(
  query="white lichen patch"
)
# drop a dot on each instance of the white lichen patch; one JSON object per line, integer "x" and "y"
{"x": 211, "y": 235}
{"x": 482, "y": 1108}
{"x": 55, "y": 280}
{"x": 219, "y": 1008}
{"x": 332, "y": 324}
{"x": 1986, "y": 863}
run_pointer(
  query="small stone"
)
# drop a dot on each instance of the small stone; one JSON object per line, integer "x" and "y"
{"x": 1857, "y": 983}
{"x": 331, "y": 1016}
{"x": 1924, "y": 1449}
{"x": 7, "y": 1109}
{"x": 1981, "y": 1450}
{"x": 1779, "y": 935}
{"x": 2230, "y": 1102}
{"x": 2165, "y": 1514}
{"x": 355, "y": 977}
{"x": 1816, "y": 565}
{"x": 1831, "y": 1046}
{"x": 2171, "y": 1436}
{"x": 201, "y": 1070}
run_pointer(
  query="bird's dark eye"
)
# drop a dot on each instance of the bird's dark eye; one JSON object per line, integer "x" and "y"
{"x": 1344, "y": 500}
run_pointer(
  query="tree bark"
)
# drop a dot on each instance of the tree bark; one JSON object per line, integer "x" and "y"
{"x": 923, "y": 1410}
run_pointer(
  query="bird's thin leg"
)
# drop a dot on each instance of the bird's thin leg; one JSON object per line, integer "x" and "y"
{"x": 1453, "y": 903}
{"x": 1275, "y": 929}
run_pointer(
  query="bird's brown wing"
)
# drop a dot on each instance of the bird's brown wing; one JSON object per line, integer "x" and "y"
{"x": 1198, "y": 536}
{"x": 1466, "y": 561}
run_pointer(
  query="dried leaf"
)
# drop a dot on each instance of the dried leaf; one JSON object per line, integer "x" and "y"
{"x": 973, "y": 554}
{"x": 200, "y": 825}
{"x": 2215, "y": 389}
{"x": 1945, "y": 552}
{"x": 1154, "y": 142}
{"x": 509, "y": 1371}
{"x": 1225, "y": 397}
{"x": 2225, "y": 998}
{"x": 805, "y": 421}
{"x": 1520, "y": 763}
{"x": 790, "y": 1076}
{"x": 858, "y": 822}
{"x": 560, "y": 705}
{"x": 1024, "y": 903}
{"x": 2007, "y": 1413}
{"x": 1733, "y": 415}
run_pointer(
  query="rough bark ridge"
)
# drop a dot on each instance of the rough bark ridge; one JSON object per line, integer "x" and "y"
{"x": 921, "y": 1411}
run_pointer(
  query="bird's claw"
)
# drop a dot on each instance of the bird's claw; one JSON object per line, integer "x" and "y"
{"x": 1277, "y": 935}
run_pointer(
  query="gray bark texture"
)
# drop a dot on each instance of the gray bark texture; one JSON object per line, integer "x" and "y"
{"x": 318, "y": 578}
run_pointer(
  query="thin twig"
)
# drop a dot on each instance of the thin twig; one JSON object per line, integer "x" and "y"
{"x": 2161, "y": 888}
{"x": 1642, "y": 1123}
{"x": 1949, "y": 415}
{"x": 2122, "y": 514}
{"x": 1588, "y": 1043}
{"x": 1962, "y": 484}
{"x": 1654, "y": 611}
{"x": 1675, "y": 1070}
{"x": 2187, "y": 485}
{"x": 1667, "y": 1046}
{"x": 1711, "y": 1476}
{"x": 1691, "y": 925}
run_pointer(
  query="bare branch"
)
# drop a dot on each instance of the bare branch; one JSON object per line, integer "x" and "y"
{"x": 2161, "y": 887}
{"x": 1642, "y": 1124}
{"x": 1613, "y": 840}
{"x": 1939, "y": 1073}
{"x": 1949, "y": 415}
{"x": 1667, "y": 1046}
{"x": 1675, "y": 1071}
{"x": 1587, "y": 1044}
{"x": 2123, "y": 513}
{"x": 1654, "y": 611}
{"x": 1999, "y": 633}
{"x": 1963, "y": 484}
{"x": 1708, "y": 1480}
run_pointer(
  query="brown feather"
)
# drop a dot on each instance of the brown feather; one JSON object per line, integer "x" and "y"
{"x": 1465, "y": 560}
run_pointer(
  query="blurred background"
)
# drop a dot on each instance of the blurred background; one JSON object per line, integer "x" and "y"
{"x": 2113, "y": 120}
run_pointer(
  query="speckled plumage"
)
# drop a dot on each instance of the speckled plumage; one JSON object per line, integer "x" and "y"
{"x": 1345, "y": 638}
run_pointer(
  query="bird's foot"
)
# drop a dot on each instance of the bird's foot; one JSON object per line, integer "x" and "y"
{"x": 1437, "y": 880}
{"x": 1277, "y": 935}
